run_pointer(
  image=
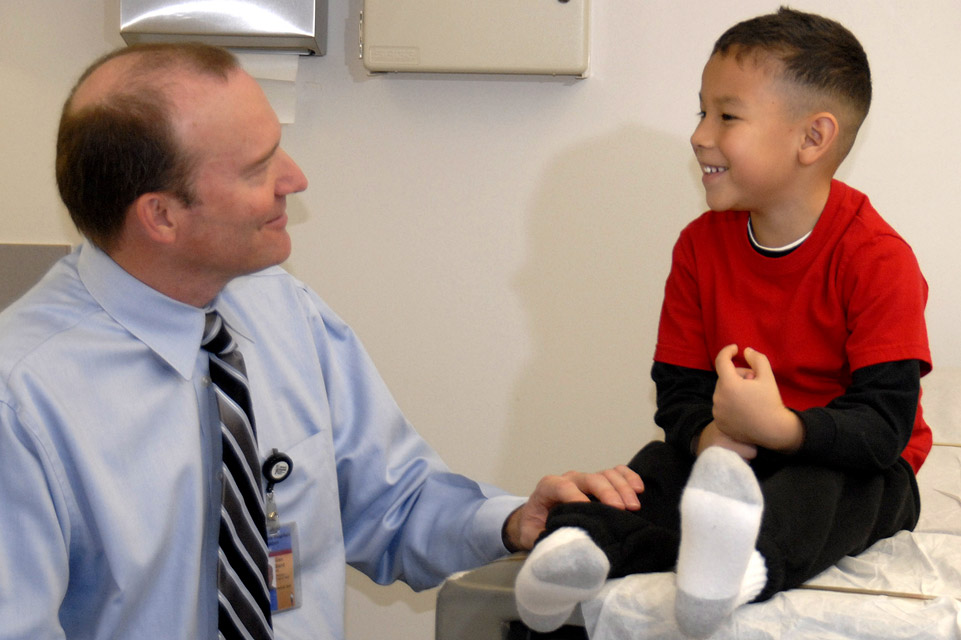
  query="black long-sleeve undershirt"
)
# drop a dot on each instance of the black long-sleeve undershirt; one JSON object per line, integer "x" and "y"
{"x": 865, "y": 428}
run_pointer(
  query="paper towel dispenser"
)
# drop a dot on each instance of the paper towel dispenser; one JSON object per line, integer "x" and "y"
{"x": 476, "y": 36}
{"x": 296, "y": 26}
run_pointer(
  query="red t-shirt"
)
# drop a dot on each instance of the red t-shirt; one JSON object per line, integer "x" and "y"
{"x": 852, "y": 295}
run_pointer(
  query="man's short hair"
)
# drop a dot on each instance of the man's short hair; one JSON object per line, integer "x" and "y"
{"x": 122, "y": 145}
{"x": 816, "y": 54}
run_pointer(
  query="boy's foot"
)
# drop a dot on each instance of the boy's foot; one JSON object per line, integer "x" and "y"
{"x": 718, "y": 568}
{"x": 564, "y": 569}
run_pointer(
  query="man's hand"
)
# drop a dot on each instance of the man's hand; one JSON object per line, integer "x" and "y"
{"x": 748, "y": 406}
{"x": 617, "y": 487}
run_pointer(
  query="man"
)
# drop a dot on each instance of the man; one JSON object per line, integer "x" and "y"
{"x": 113, "y": 436}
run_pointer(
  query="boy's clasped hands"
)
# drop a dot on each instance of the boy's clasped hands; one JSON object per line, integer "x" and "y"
{"x": 748, "y": 410}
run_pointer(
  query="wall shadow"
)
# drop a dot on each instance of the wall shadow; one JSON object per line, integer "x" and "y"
{"x": 602, "y": 225}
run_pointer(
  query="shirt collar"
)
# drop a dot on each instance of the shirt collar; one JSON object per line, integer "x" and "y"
{"x": 172, "y": 329}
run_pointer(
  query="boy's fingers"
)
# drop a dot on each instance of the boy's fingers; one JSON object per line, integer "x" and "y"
{"x": 724, "y": 362}
{"x": 757, "y": 361}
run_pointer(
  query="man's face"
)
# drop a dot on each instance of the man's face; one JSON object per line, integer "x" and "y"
{"x": 241, "y": 178}
{"x": 747, "y": 139}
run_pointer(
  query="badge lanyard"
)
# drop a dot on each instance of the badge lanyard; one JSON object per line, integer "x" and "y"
{"x": 283, "y": 561}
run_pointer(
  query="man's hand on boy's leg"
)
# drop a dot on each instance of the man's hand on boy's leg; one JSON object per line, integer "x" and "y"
{"x": 748, "y": 406}
{"x": 616, "y": 487}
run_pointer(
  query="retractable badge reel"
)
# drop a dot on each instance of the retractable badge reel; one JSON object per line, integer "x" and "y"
{"x": 283, "y": 562}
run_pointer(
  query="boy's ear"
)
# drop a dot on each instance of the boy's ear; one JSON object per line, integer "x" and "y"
{"x": 155, "y": 214}
{"x": 820, "y": 135}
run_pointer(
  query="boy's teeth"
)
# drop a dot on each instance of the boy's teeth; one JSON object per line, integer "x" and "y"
{"x": 714, "y": 169}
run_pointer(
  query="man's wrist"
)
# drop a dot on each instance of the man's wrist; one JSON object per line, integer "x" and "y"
{"x": 511, "y": 531}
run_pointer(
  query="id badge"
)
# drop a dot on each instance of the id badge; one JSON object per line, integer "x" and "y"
{"x": 283, "y": 567}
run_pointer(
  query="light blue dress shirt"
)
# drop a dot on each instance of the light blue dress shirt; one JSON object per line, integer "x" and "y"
{"x": 109, "y": 454}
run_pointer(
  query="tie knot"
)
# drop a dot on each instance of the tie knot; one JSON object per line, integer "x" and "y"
{"x": 216, "y": 337}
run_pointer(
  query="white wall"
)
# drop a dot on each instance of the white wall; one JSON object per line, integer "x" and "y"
{"x": 501, "y": 243}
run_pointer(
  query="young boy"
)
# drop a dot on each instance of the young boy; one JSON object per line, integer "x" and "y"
{"x": 789, "y": 354}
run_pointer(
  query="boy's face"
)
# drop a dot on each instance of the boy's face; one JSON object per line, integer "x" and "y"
{"x": 747, "y": 140}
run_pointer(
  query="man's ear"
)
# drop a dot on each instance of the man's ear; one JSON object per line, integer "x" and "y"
{"x": 820, "y": 135}
{"x": 155, "y": 214}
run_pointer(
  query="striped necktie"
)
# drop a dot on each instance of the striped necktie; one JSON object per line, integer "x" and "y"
{"x": 243, "y": 599}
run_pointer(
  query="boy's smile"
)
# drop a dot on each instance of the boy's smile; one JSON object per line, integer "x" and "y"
{"x": 748, "y": 138}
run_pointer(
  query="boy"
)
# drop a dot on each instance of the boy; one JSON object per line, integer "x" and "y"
{"x": 784, "y": 456}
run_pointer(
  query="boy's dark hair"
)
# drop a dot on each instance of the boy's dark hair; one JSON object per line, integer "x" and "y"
{"x": 816, "y": 53}
{"x": 113, "y": 151}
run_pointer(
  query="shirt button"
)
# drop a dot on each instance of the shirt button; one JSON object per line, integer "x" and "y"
{"x": 206, "y": 381}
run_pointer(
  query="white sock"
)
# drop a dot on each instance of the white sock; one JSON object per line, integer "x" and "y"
{"x": 564, "y": 569}
{"x": 718, "y": 568}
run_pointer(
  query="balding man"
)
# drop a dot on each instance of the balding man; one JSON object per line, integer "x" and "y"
{"x": 118, "y": 450}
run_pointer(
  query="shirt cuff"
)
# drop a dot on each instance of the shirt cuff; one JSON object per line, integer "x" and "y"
{"x": 489, "y": 522}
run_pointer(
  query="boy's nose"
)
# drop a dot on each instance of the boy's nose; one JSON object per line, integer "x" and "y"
{"x": 701, "y": 136}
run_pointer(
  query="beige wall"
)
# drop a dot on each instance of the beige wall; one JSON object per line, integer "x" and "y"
{"x": 501, "y": 243}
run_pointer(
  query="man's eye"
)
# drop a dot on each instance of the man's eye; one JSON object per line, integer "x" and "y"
{"x": 701, "y": 115}
{"x": 727, "y": 117}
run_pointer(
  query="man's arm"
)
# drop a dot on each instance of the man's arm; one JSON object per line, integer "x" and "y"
{"x": 33, "y": 551}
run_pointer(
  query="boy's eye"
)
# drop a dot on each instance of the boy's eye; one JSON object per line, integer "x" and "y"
{"x": 725, "y": 117}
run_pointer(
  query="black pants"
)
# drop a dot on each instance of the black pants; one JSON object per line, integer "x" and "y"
{"x": 813, "y": 516}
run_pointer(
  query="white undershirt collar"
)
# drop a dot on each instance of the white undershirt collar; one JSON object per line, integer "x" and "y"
{"x": 787, "y": 247}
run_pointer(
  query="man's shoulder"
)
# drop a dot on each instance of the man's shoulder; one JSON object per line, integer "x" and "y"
{"x": 59, "y": 300}
{"x": 274, "y": 295}
{"x": 263, "y": 289}
{"x": 56, "y": 304}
